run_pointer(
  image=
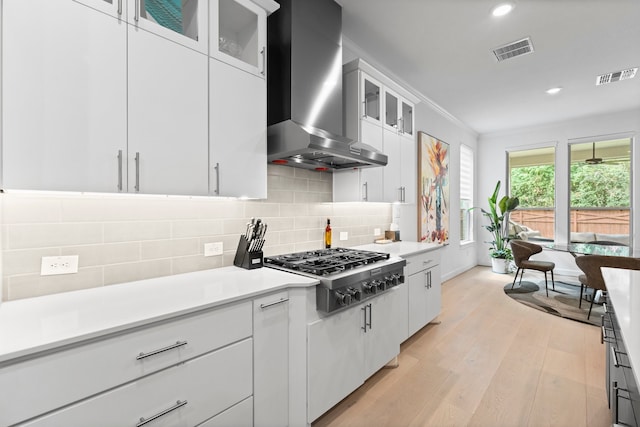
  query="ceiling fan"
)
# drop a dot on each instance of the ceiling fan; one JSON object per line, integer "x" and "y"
{"x": 593, "y": 160}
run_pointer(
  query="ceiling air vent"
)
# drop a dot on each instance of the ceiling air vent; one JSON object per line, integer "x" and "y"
{"x": 513, "y": 49}
{"x": 616, "y": 76}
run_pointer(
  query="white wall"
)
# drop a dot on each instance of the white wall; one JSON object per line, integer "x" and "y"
{"x": 492, "y": 167}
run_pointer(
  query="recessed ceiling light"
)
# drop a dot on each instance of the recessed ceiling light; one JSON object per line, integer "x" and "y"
{"x": 502, "y": 9}
{"x": 554, "y": 90}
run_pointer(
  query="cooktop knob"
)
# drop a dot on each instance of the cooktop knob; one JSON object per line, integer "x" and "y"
{"x": 380, "y": 284}
{"x": 343, "y": 299}
{"x": 370, "y": 288}
{"x": 356, "y": 294}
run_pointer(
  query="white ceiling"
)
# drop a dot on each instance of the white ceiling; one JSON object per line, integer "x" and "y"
{"x": 442, "y": 48}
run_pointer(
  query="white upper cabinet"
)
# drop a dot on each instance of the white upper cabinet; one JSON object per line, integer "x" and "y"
{"x": 238, "y": 132}
{"x": 378, "y": 112}
{"x": 168, "y": 117}
{"x": 238, "y": 33}
{"x": 64, "y": 97}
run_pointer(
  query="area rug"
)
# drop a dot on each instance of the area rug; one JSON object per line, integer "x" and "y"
{"x": 562, "y": 302}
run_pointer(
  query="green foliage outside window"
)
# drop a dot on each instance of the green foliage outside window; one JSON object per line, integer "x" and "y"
{"x": 605, "y": 185}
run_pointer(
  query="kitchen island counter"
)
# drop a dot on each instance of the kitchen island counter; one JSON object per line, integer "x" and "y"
{"x": 33, "y": 325}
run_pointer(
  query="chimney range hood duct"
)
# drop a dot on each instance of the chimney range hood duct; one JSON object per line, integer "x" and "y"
{"x": 304, "y": 90}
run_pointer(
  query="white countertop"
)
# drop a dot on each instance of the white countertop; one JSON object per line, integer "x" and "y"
{"x": 623, "y": 287}
{"x": 33, "y": 325}
{"x": 401, "y": 249}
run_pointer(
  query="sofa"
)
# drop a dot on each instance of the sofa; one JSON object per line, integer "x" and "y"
{"x": 525, "y": 233}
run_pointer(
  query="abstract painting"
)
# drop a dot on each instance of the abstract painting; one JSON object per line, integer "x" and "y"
{"x": 433, "y": 190}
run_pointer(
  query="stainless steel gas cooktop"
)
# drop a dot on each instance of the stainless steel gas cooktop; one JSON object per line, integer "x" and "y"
{"x": 347, "y": 276}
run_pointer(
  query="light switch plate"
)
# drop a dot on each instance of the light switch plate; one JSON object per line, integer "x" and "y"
{"x": 213, "y": 249}
{"x": 52, "y": 265}
{"x": 344, "y": 235}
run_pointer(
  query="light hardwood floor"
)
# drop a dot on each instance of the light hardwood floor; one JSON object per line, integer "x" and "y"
{"x": 490, "y": 362}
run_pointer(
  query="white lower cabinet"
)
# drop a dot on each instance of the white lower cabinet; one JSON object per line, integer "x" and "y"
{"x": 346, "y": 348}
{"x": 425, "y": 292}
{"x": 271, "y": 360}
{"x": 183, "y": 395}
{"x": 90, "y": 369}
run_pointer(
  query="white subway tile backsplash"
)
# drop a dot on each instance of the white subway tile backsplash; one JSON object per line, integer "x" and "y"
{"x": 135, "y": 231}
{"x": 124, "y": 238}
{"x": 21, "y": 236}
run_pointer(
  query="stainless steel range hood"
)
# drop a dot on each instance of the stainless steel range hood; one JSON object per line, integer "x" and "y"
{"x": 304, "y": 90}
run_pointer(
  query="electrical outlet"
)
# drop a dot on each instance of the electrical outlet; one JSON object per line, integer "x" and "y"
{"x": 52, "y": 265}
{"x": 344, "y": 235}
{"x": 213, "y": 249}
{"x": 376, "y": 232}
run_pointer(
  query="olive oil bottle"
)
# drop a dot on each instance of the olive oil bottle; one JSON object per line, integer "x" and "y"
{"x": 327, "y": 235}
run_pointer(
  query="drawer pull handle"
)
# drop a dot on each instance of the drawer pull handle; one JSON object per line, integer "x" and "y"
{"x": 161, "y": 350}
{"x": 280, "y": 301}
{"x": 616, "y": 362}
{"x": 144, "y": 421}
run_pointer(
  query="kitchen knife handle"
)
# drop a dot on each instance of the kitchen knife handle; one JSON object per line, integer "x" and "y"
{"x": 119, "y": 170}
{"x": 217, "y": 190}
{"x": 263, "y": 52}
{"x": 137, "y": 159}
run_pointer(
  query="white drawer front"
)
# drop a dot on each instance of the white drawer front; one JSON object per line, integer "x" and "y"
{"x": 208, "y": 384}
{"x": 45, "y": 383}
{"x": 240, "y": 415}
{"x": 416, "y": 263}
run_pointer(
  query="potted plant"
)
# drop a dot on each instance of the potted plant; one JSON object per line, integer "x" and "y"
{"x": 498, "y": 215}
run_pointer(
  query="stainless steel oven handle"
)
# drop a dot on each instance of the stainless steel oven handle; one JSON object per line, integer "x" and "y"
{"x": 179, "y": 404}
{"x": 161, "y": 350}
{"x": 280, "y": 301}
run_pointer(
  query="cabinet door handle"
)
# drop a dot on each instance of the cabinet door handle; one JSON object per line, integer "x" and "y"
{"x": 144, "y": 421}
{"x": 136, "y": 16}
{"x": 119, "y": 7}
{"x": 119, "y": 170}
{"x": 178, "y": 344}
{"x": 217, "y": 168}
{"x": 365, "y": 187}
{"x": 263, "y": 52}
{"x": 364, "y": 309}
{"x": 370, "y": 316}
{"x": 137, "y": 186}
{"x": 605, "y": 337}
{"x": 364, "y": 109}
{"x": 280, "y": 301}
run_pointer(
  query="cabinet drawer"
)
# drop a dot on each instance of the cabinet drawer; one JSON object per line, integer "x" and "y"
{"x": 180, "y": 396}
{"x": 416, "y": 263}
{"x": 238, "y": 415}
{"x": 38, "y": 385}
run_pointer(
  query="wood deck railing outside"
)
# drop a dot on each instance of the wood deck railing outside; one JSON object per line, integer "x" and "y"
{"x": 596, "y": 220}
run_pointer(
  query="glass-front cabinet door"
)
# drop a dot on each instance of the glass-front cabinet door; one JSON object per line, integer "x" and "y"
{"x": 238, "y": 34}
{"x": 391, "y": 102}
{"x": 371, "y": 99}
{"x": 182, "y": 21}
{"x": 406, "y": 114}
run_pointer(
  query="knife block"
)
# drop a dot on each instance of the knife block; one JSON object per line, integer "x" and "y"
{"x": 246, "y": 259}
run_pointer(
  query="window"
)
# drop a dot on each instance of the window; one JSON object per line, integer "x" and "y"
{"x": 532, "y": 180}
{"x": 466, "y": 194}
{"x": 600, "y": 192}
